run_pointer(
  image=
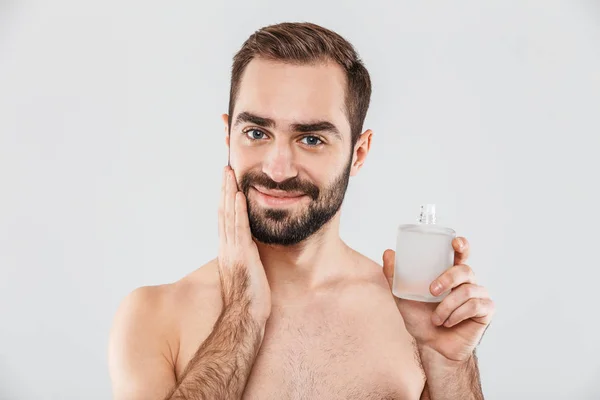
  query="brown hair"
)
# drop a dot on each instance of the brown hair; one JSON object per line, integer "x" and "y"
{"x": 306, "y": 43}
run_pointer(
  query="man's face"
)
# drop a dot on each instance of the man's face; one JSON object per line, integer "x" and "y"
{"x": 290, "y": 147}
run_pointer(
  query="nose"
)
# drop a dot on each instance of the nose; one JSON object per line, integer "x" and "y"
{"x": 279, "y": 162}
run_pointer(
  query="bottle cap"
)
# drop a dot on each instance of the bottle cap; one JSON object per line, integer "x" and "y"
{"x": 427, "y": 215}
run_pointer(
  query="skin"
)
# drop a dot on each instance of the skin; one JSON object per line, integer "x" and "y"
{"x": 313, "y": 320}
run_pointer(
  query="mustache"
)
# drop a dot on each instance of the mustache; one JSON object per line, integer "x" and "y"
{"x": 295, "y": 184}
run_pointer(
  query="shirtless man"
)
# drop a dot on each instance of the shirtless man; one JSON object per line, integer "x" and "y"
{"x": 287, "y": 310}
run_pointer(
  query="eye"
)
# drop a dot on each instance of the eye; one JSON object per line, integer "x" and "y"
{"x": 255, "y": 134}
{"x": 312, "y": 141}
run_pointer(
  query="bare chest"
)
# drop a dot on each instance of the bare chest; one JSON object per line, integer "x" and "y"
{"x": 334, "y": 357}
{"x": 347, "y": 344}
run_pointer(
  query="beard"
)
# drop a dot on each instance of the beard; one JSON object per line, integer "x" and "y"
{"x": 288, "y": 227}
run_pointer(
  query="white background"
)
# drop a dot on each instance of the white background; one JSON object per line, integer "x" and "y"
{"x": 112, "y": 147}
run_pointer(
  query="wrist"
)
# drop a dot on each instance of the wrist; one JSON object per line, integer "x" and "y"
{"x": 432, "y": 358}
{"x": 451, "y": 379}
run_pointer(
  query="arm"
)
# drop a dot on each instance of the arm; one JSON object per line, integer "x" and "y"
{"x": 448, "y": 379}
{"x": 222, "y": 364}
{"x": 448, "y": 332}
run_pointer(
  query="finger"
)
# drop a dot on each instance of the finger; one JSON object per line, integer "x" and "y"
{"x": 230, "y": 191}
{"x": 222, "y": 235}
{"x": 462, "y": 248}
{"x": 242, "y": 225}
{"x": 455, "y": 299}
{"x": 389, "y": 257}
{"x": 451, "y": 278}
{"x": 477, "y": 310}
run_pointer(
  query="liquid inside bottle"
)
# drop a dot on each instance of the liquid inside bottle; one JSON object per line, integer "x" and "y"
{"x": 423, "y": 252}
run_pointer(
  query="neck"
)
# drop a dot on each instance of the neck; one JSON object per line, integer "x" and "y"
{"x": 299, "y": 269}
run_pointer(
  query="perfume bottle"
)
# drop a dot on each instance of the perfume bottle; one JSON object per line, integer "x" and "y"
{"x": 423, "y": 252}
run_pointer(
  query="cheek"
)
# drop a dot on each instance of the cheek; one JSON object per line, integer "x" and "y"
{"x": 321, "y": 172}
{"x": 326, "y": 166}
{"x": 244, "y": 157}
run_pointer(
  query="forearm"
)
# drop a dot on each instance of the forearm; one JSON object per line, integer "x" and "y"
{"x": 448, "y": 379}
{"x": 222, "y": 364}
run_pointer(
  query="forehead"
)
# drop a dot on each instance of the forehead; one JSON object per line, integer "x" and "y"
{"x": 290, "y": 93}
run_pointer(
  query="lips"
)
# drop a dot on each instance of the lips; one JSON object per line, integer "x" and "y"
{"x": 280, "y": 194}
{"x": 278, "y": 198}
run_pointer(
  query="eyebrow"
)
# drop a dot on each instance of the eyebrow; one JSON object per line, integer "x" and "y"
{"x": 308, "y": 127}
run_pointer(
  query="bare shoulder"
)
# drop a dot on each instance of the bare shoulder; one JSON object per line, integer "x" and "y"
{"x": 138, "y": 320}
{"x": 147, "y": 328}
{"x": 371, "y": 290}
{"x": 158, "y": 309}
{"x": 370, "y": 270}
{"x": 139, "y": 352}
{"x": 377, "y": 298}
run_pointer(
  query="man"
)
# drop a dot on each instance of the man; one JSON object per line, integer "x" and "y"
{"x": 287, "y": 310}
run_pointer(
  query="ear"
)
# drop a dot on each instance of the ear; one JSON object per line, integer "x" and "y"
{"x": 361, "y": 149}
{"x": 225, "y": 119}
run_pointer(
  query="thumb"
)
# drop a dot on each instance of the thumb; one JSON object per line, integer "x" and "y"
{"x": 388, "y": 265}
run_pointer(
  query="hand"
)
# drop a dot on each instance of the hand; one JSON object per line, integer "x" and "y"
{"x": 243, "y": 279}
{"x": 454, "y": 327}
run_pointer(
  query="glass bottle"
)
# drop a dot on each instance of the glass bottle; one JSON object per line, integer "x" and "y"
{"x": 423, "y": 252}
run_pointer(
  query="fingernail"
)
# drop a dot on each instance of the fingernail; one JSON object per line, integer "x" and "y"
{"x": 436, "y": 319}
{"x": 437, "y": 288}
{"x": 460, "y": 243}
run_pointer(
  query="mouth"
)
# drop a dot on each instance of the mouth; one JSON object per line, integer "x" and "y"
{"x": 277, "y": 198}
